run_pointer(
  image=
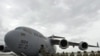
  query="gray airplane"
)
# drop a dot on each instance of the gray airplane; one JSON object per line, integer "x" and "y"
{"x": 25, "y": 41}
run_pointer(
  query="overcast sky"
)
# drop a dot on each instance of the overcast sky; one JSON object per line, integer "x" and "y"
{"x": 76, "y": 20}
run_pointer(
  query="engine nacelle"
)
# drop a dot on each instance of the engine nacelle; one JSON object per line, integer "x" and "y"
{"x": 83, "y": 46}
{"x": 4, "y": 48}
{"x": 63, "y": 44}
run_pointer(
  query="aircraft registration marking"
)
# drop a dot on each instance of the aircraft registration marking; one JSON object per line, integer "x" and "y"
{"x": 23, "y": 44}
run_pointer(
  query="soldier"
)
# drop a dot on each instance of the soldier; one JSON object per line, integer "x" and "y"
{"x": 42, "y": 51}
{"x": 57, "y": 54}
{"x": 79, "y": 53}
{"x": 66, "y": 54}
{"x": 52, "y": 54}
{"x": 63, "y": 54}
{"x": 98, "y": 53}
{"x": 85, "y": 53}
{"x": 92, "y": 53}
{"x": 72, "y": 54}
{"x": 48, "y": 54}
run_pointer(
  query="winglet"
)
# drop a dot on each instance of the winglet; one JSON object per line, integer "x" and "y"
{"x": 98, "y": 45}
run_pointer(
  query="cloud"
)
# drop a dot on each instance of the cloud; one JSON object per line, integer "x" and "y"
{"x": 74, "y": 19}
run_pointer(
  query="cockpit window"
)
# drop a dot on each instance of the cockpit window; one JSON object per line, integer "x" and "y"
{"x": 30, "y": 31}
{"x": 25, "y": 29}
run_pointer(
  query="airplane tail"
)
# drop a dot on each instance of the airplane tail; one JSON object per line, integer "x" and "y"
{"x": 98, "y": 45}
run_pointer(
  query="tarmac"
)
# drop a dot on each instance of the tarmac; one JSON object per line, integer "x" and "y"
{"x": 7, "y": 54}
{"x": 10, "y": 54}
{"x": 13, "y": 54}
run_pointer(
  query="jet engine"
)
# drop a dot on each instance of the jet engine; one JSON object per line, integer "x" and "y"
{"x": 83, "y": 46}
{"x": 4, "y": 48}
{"x": 63, "y": 44}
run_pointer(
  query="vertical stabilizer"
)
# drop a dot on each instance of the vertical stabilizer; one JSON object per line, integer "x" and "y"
{"x": 97, "y": 44}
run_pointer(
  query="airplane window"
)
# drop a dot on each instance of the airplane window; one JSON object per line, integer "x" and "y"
{"x": 30, "y": 31}
{"x": 27, "y": 30}
{"x": 39, "y": 35}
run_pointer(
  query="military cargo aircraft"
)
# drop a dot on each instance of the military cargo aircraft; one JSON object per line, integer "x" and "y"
{"x": 25, "y": 41}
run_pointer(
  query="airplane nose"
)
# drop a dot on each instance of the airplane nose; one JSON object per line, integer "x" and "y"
{"x": 20, "y": 41}
{"x": 12, "y": 39}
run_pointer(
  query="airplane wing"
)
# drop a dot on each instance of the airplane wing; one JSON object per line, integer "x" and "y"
{"x": 65, "y": 44}
{"x": 77, "y": 44}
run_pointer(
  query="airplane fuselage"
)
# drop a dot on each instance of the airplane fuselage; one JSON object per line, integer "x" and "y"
{"x": 27, "y": 41}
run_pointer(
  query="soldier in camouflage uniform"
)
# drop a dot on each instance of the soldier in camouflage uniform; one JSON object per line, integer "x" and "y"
{"x": 79, "y": 53}
{"x": 42, "y": 51}
{"x": 85, "y": 53}
{"x": 48, "y": 54}
{"x": 72, "y": 54}
{"x": 57, "y": 54}
{"x": 98, "y": 53}
{"x": 92, "y": 53}
{"x": 63, "y": 54}
{"x": 52, "y": 54}
{"x": 66, "y": 54}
